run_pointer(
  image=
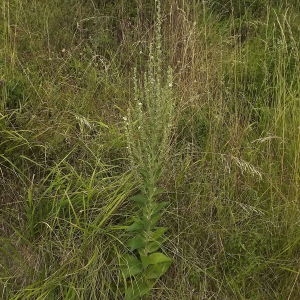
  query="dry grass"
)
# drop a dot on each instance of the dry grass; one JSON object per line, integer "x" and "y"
{"x": 232, "y": 176}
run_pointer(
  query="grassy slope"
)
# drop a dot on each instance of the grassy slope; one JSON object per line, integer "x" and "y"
{"x": 232, "y": 182}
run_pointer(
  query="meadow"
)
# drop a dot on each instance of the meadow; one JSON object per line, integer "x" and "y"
{"x": 150, "y": 149}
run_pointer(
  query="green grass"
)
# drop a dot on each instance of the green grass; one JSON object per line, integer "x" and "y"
{"x": 228, "y": 164}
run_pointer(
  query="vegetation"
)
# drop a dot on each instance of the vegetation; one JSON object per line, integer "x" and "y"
{"x": 123, "y": 178}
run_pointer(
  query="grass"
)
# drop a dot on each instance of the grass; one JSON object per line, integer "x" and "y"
{"x": 232, "y": 170}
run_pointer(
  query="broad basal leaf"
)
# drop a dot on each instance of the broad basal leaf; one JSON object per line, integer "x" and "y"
{"x": 130, "y": 266}
{"x": 139, "y": 288}
{"x": 156, "y": 271}
{"x": 137, "y": 225}
{"x": 137, "y": 242}
{"x": 154, "y": 259}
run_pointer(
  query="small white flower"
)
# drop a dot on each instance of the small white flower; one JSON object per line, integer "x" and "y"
{"x": 125, "y": 118}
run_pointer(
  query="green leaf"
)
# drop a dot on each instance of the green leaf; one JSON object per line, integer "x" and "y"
{"x": 137, "y": 242}
{"x": 144, "y": 259}
{"x": 157, "y": 270}
{"x": 144, "y": 174}
{"x": 131, "y": 266}
{"x": 138, "y": 289}
{"x": 154, "y": 219}
{"x": 140, "y": 199}
{"x": 153, "y": 246}
{"x": 158, "y": 233}
{"x": 160, "y": 206}
{"x": 154, "y": 259}
{"x": 137, "y": 225}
